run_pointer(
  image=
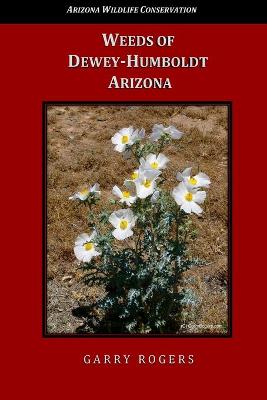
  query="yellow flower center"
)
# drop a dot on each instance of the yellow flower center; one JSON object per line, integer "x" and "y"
{"x": 84, "y": 191}
{"x": 123, "y": 224}
{"x": 88, "y": 246}
{"x": 134, "y": 175}
{"x": 154, "y": 165}
{"x": 126, "y": 194}
{"x": 193, "y": 181}
{"x": 125, "y": 139}
{"x": 188, "y": 196}
{"x": 147, "y": 183}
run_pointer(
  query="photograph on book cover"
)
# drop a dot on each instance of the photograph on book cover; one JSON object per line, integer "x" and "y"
{"x": 137, "y": 219}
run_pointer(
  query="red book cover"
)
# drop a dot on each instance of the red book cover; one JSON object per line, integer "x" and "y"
{"x": 133, "y": 138}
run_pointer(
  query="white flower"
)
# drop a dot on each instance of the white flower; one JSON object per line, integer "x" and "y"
{"x": 146, "y": 182}
{"x": 85, "y": 248}
{"x": 125, "y": 196}
{"x": 126, "y": 137}
{"x": 196, "y": 181}
{"x": 187, "y": 198}
{"x": 122, "y": 220}
{"x": 152, "y": 161}
{"x": 159, "y": 130}
{"x": 85, "y": 192}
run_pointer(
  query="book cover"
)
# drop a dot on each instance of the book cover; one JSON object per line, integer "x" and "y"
{"x": 133, "y": 236}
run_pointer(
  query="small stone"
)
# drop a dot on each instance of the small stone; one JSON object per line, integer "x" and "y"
{"x": 66, "y": 278}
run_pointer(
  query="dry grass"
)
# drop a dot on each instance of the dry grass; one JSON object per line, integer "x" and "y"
{"x": 80, "y": 152}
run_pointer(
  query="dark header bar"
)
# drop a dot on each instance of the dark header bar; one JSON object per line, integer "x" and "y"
{"x": 113, "y": 12}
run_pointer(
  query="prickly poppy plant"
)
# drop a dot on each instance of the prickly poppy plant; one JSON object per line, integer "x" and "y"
{"x": 138, "y": 251}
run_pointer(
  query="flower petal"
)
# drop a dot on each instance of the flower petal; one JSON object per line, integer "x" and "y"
{"x": 120, "y": 147}
{"x": 181, "y": 188}
{"x": 79, "y": 252}
{"x": 175, "y": 134}
{"x": 95, "y": 188}
{"x": 199, "y": 196}
{"x": 121, "y": 234}
{"x": 74, "y": 197}
{"x": 157, "y": 131}
{"x": 202, "y": 180}
{"x": 187, "y": 206}
{"x": 87, "y": 257}
{"x": 162, "y": 160}
{"x": 151, "y": 174}
{"x": 117, "y": 192}
{"x": 114, "y": 219}
{"x": 195, "y": 208}
{"x": 129, "y": 201}
{"x": 116, "y": 138}
{"x": 187, "y": 172}
{"x": 151, "y": 158}
{"x": 81, "y": 239}
{"x": 96, "y": 253}
{"x": 127, "y": 214}
{"x": 143, "y": 192}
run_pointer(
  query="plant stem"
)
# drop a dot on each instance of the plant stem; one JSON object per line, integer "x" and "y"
{"x": 177, "y": 272}
{"x": 137, "y": 249}
{"x": 177, "y": 223}
{"x": 134, "y": 154}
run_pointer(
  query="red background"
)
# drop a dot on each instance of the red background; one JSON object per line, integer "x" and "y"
{"x": 34, "y": 69}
